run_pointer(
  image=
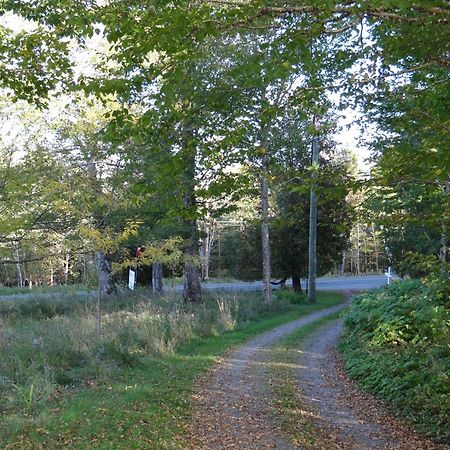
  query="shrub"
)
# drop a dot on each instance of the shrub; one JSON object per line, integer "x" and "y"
{"x": 396, "y": 346}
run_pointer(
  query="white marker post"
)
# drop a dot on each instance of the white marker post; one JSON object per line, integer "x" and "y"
{"x": 388, "y": 274}
{"x": 131, "y": 279}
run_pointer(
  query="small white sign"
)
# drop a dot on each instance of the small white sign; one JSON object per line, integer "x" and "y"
{"x": 388, "y": 274}
{"x": 132, "y": 279}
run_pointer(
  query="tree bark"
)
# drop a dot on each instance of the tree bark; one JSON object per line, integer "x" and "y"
{"x": 103, "y": 264}
{"x": 102, "y": 260}
{"x": 66, "y": 268}
{"x": 312, "y": 257}
{"x": 192, "y": 292}
{"x": 267, "y": 289}
{"x": 296, "y": 283}
{"x": 342, "y": 269}
{"x": 358, "y": 266}
{"x": 20, "y": 276}
{"x": 157, "y": 278}
{"x": 206, "y": 250}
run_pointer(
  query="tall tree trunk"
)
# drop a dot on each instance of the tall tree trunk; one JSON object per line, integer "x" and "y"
{"x": 375, "y": 249}
{"x": 342, "y": 271}
{"x": 267, "y": 288}
{"x": 206, "y": 249}
{"x": 192, "y": 291}
{"x": 358, "y": 266}
{"x": 103, "y": 264}
{"x": 312, "y": 258}
{"x": 52, "y": 274}
{"x": 85, "y": 269}
{"x": 296, "y": 283}
{"x": 157, "y": 278}
{"x": 20, "y": 276}
{"x": 66, "y": 268}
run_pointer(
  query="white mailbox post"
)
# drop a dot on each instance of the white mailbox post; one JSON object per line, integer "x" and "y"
{"x": 131, "y": 279}
{"x": 388, "y": 274}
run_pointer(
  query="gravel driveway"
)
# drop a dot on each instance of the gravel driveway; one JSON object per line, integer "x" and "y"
{"x": 229, "y": 405}
{"x": 356, "y": 420}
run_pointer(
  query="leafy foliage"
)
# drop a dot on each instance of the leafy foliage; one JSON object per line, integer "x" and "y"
{"x": 396, "y": 346}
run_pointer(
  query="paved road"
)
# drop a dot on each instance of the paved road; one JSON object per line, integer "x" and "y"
{"x": 323, "y": 284}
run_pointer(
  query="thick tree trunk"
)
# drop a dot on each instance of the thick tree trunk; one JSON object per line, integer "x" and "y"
{"x": 296, "y": 283}
{"x": 267, "y": 289}
{"x": 192, "y": 291}
{"x": 157, "y": 278}
{"x": 103, "y": 264}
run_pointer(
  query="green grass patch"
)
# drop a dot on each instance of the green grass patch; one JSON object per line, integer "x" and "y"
{"x": 134, "y": 394}
{"x": 396, "y": 345}
{"x": 295, "y": 417}
{"x": 57, "y": 289}
{"x": 296, "y": 298}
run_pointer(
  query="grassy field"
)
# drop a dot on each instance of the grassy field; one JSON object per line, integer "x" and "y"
{"x": 57, "y": 289}
{"x": 65, "y": 386}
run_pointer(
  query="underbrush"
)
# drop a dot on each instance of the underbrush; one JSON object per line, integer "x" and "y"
{"x": 65, "y": 386}
{"x": 296, "y": 298}
{"x": 57, "y": 289}
{"x": 49, "y": 345}
{"x": 396, "y": 345}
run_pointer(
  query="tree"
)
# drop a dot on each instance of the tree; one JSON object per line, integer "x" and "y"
{"x": 409, "y": 194}
{"x": 290, "y": 228}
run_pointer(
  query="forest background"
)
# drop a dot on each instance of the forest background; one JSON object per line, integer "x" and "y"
{"x": 186, "y": 143}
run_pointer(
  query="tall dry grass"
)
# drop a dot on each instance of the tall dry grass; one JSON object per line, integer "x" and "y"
{"x": 48, "y": 347}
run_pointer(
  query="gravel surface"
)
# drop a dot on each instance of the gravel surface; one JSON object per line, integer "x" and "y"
{"x": 230, "y": 407}
{"x": 354, "y": 419}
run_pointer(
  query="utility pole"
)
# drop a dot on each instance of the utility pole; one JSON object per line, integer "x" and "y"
{"x": 312, "y": 262}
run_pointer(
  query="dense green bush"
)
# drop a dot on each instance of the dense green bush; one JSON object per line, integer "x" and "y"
{"x": 396, "y": 345}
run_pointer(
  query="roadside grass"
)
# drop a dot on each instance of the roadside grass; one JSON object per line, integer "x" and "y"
{"x": 173, "y": 281}
{"x": 57, "y": 289}
{"x": 295, "y": 417}
{"x": 63, "y": 386}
